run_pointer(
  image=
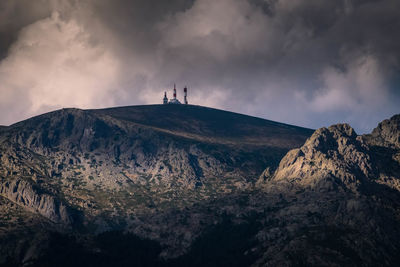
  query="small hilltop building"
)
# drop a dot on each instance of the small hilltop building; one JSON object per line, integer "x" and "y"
{"x": 165, "y": 99}
{"x": 175, "y": 100}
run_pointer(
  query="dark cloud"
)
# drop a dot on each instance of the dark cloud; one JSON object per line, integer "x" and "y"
{"x": 306, "y": 62}
{"x": 17, "y": 14}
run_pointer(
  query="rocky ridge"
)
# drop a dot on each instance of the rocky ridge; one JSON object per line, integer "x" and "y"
{"x": 341, "y": 199}
{"x": 387, "y": 133}
{"x": 331, "y": 155}
{"x": 337, "y": 155}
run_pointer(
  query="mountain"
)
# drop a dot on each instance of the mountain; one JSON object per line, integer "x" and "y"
{"x": 77, "y": 174}
{"x": 183, "y": 185}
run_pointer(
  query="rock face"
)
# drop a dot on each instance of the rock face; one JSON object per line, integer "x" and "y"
{"x": 331, "y": 155}
{"x": 336, "y": 156}
{"x": 388, "y": 132}
{"x": 23, "y": 194}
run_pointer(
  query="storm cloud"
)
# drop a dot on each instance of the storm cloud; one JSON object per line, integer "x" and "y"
{"x": 305, "y": 62}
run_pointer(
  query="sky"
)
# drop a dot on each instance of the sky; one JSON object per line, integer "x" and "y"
{"x": 310, "y": 63}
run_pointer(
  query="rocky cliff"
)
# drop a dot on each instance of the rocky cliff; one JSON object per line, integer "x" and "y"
{"x": 341, "y": 198}
{"x": 22, "y": 193}
{"x": 336, "y": 156}
{"x": 331, "y": 156}
{"x": 387, "y": 133}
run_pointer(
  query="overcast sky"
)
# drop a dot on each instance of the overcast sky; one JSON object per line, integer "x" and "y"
{"x": 311, "y": 63}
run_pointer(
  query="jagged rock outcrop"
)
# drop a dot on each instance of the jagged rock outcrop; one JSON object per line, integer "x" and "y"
{"x": 336, "y": 157}
{"x": 330, "y": 157}
{"x": 23, "y": 194}
{"x": 338, "y": 197}
{"x": 387, "y": 133}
